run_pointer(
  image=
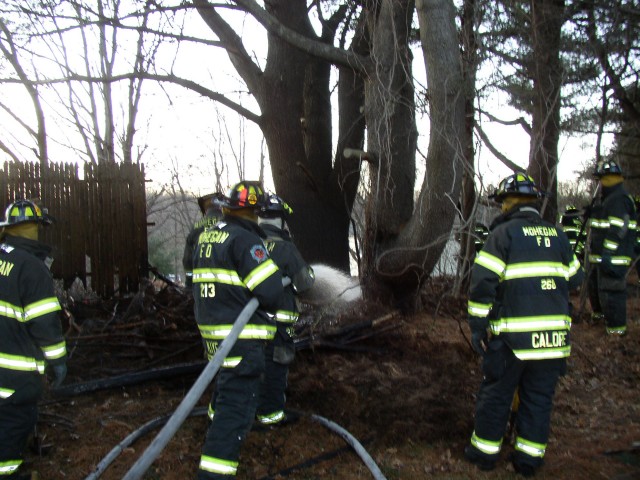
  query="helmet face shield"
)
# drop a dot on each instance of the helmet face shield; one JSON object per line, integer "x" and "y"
{"x": 519, "y": 184}
{"x": 24, "y": 211}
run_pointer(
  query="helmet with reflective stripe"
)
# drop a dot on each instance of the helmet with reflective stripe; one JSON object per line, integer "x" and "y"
{"x": 607, "y": 167}
{"x": 23, "y": 211}
{"x": 275, "y": 207}
{"x": 519, "y": 184}
{"x": 245, "y": 194}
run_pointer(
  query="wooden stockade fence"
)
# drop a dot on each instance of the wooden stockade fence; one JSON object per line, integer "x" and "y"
{"x": 100, "y": 234}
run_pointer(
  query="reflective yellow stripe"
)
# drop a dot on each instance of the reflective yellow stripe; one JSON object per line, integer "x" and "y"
{"x": 285, "y": 316}
{"x": 260, "y": 274}
{"x": 531, "y": 324}
{"x": 490, "y": 262}
{"x": 11, "y": 311}
{"x": 478, "y": 309}
{"x": 543, "y": 353}
{"x": 250, "y": 331}
{"x": 486, "y": 446}
{"x": 218, "y": 465}
{"x": 536, "y": 269}
{"x": 530, "y": 448}
{"x": 9, "y": 466}
{"x": 55, "y": 351}
{"x": 219, "y": 275}
{"x": 16, "y": 362}
{"x": 271, "y": 418}
{"x": 6, "y": 392}
{"x": 40, "y": 308}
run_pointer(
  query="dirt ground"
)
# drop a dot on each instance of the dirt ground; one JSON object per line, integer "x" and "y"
{"x": 404, "y": 387}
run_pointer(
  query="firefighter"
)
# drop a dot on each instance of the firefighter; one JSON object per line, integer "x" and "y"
{"x": 211, "y": 214}
{"x": 30, "y": 330}
{"x": 572, "y": 224}
{"x": 520, "y": 284}
{"x": 611, "y": 250}
{"x": 231, "y": 266}
{"x": 280, "y": 352}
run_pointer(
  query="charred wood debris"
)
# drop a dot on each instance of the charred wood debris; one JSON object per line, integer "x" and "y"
{"x": 153, "y": 335}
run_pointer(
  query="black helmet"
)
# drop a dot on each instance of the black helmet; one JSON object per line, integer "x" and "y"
{"x": 607, "y": 167}
{"x": 209, "y": 201}
{"x": 517, "y": 184}
{"x": 275, "y": 208}
{"x": 23, "y": 211}
{"x": 245, "y": 194}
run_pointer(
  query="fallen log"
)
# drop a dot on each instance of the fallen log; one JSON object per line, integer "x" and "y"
{"x": 129, "y": 379}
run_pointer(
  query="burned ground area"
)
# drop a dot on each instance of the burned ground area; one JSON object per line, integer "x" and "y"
{"x": 403, "y": 386}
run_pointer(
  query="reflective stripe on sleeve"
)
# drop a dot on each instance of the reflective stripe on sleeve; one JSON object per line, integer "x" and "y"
{"x": 260, "y": 274}
{"x": 53, "y": 352}
{"x": 478, "y": 309}
{"x": 11, "y": 311}
{"x": 490, "y": 262}
{"x": 40, "y": 308}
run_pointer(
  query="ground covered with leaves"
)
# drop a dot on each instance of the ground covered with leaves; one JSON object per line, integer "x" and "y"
{"x": 403, "y": 386}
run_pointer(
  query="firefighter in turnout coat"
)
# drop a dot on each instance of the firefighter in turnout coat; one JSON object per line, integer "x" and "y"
{"x": 211, "y": 214}
{"x": 30, "y": 331}
{"x": 520, "y": 285}
{"x": 231, "y": 265}
{"x": 280, "y": 352}
{"x": 612, "y": 249}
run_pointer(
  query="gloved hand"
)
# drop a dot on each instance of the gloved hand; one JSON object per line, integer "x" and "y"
{"x": 479, "y": 338}
{"x": 59, "y": 374}
{"x": 479, "y": 341}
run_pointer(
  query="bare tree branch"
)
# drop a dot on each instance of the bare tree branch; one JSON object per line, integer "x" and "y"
{"x": 499, "y": 155}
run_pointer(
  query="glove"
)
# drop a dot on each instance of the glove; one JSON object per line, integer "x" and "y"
{"x": 59, "y": 374}
{"x": 479, "y": 338}
{"x": 479, "y": 341}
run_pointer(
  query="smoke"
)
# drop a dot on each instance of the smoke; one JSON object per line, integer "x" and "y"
{"x": 331, "y": 287}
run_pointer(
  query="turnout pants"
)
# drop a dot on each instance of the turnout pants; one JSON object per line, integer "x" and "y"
{"x": 279, "y": 354}
{"x": 236, "y": 399}
{"x": 611, "y": 294}
{"x": 17, "y": 422}
{"x": 535, "y": 382}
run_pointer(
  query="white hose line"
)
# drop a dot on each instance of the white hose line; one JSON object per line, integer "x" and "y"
{"x": 357, "y": 446}
{"x": 132, "y": 437}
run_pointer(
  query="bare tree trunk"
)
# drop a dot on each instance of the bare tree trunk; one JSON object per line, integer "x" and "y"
{"x": 405, "y": 263}
{"x": 468, "y": 194}
{"x": 10, "y": 53}
{"x": 547, "y": 20}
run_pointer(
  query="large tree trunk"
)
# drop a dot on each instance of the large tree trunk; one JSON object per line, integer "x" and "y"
{"x": 547, "y": 20}
{"x": 293, "y": 95}
{"x": 403, "y": 263}
{"x": 391, "y": 132}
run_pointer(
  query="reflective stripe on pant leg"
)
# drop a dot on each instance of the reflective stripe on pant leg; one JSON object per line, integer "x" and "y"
{"x": 236, "y": 400}
{"x": 493, "y": 406}
{"x": 536, "y": 392}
